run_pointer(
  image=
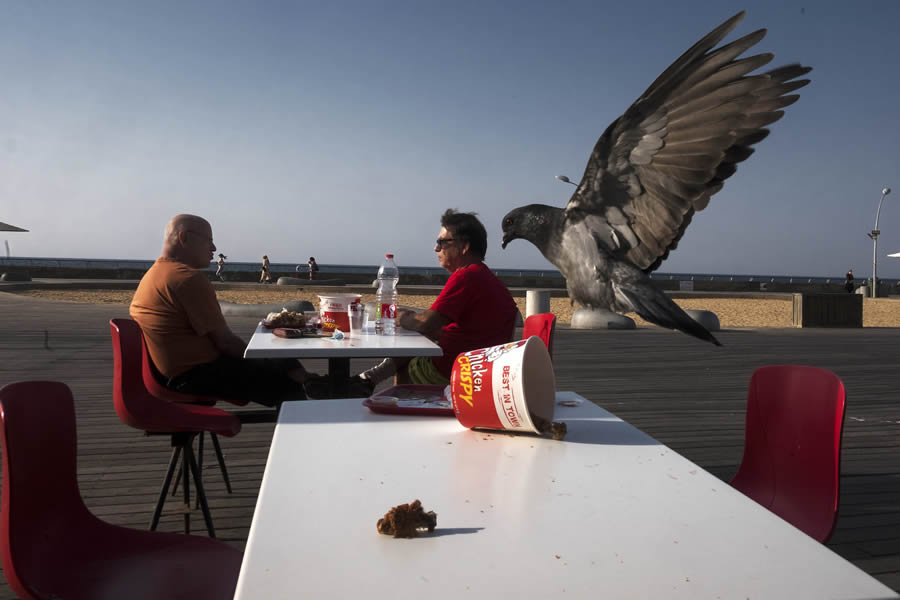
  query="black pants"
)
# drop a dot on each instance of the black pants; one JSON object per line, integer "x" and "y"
{"x": 263, "y": 381}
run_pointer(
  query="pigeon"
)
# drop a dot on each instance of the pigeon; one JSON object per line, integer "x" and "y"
{"x": 652, "y": 169}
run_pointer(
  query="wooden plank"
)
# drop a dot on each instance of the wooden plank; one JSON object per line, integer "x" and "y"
{"x": 689, "y": 395}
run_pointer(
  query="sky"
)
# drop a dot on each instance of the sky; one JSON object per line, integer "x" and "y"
{"x": 344, "y": 129}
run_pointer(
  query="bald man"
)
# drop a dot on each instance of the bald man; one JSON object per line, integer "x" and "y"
{"x": 189, "y": 341}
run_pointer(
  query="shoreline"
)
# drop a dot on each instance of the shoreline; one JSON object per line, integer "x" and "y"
{"x": 732, "y": 312}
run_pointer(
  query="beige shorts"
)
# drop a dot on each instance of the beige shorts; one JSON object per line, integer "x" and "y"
{"x": 423, "y": 372}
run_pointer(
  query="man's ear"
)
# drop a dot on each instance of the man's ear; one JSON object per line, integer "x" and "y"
{"x": 465, "y": 249}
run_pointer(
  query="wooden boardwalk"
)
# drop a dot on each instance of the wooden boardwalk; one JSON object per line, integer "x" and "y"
{"x": 689, "y": 395}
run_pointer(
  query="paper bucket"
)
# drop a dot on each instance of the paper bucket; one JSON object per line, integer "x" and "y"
{"x": 501, "y": 387}
{"x": 333, "y": 310}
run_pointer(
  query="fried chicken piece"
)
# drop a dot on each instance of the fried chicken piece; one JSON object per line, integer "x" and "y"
{"x": 556, "y": 430}
{"x": 405, "y": 520}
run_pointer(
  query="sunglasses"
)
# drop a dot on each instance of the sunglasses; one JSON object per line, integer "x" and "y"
{"x": 440, "y": 243}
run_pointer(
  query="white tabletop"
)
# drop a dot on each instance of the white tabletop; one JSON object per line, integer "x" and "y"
{"x": 609, "y": 512}
{"x": 265, "y": 344}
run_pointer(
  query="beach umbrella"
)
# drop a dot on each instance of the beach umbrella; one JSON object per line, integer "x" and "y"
{"x": 8, "y": 227}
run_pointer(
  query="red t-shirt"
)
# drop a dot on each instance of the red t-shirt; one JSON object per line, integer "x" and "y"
{"x": 481, "y": 310}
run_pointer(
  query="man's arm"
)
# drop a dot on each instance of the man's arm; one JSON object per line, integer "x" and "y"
{"x": 428, "y": 323}
{"x": 227, "y": 342}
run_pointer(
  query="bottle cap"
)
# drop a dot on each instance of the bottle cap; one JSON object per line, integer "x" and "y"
{"x": 389, "y": 256}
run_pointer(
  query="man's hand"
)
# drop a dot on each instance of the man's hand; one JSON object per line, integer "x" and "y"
{"x": 428, "y": 323}
{"x": 227, "y": 342}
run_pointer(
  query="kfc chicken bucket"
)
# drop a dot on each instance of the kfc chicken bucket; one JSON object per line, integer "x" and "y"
{"x": 510, "y": 386}
{"x": 333, "y": 311}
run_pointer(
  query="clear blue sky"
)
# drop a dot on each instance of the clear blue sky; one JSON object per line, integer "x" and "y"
{"x": 343, "y": 129}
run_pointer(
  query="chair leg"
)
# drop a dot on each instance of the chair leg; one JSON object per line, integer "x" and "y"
{"x": 177, "y": 481}
{"x": 200, "y": 437}
{"x": 154, "y": 521}
{"x": 221, "y": 459}
{"x": 178, "y": 476}
{"x": 186, "y": 486}
{"x": 201, "y": 494}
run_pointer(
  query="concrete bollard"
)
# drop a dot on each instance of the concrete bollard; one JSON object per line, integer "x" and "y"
{"x": 537, "y": 302}
{"x": 586, "y": 318}
{"x": 707, "y": 318}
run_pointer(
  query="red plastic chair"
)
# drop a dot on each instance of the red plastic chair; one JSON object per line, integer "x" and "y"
{"x": 52, "y": 546}
{"x": 150, "y": 375}
{"x": 542, "y": 325}
{"x": 140, "y": 409}
{"x": 792, "y": 452}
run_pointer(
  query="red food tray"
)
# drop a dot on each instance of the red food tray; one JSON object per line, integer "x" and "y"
{"x": 408, "y": 395}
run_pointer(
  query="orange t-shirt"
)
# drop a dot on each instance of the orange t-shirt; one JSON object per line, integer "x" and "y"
{"x": 176, "y": 308}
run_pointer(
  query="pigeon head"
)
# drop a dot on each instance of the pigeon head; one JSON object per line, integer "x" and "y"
{"x": 535, "y": 223}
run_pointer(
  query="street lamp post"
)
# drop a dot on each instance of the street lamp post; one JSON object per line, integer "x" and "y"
{"x": 874, "y": 236}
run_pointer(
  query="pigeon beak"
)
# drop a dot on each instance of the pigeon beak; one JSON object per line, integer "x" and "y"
{"x": 507, "y": 238}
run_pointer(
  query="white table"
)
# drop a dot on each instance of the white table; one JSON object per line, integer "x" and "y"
{"x": 265, "y": 344}
{"x": 609, "y": 512}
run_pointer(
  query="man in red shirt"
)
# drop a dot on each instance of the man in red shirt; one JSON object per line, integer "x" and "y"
{"x": 474, "y": 310}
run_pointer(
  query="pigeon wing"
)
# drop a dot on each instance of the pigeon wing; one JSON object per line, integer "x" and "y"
{"x": 674, "y": 147}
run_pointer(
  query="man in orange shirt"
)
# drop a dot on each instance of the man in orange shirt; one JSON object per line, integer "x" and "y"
{"x": 189, "y": 341}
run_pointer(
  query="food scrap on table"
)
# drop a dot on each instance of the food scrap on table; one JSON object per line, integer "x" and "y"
{"x": 405, "y": 520}
{"x": 286, "y": 319}
{"x": 557, "y": 429}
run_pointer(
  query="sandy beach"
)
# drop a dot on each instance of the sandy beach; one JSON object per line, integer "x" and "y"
{"x": 732, "y": 312}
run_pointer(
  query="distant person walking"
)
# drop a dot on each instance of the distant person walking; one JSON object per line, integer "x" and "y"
{"x": 264, "y": 275}
{"x": 220, "y": 267}
{"x": 313, "y": 266}
{"x": 848, "y": 283}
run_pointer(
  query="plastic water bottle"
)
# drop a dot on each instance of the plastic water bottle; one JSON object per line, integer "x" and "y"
{"x": 386, "y": 297}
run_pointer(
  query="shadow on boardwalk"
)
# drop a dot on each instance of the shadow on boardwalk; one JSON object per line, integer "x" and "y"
{"x": 689, "y": 395}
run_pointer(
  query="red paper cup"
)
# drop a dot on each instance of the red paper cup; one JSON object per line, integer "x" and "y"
{"x": 333, "y": 310}
{"x": 502, "y": 386}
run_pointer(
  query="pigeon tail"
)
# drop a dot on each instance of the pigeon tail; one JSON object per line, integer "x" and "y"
{"x": 653, "y": 305}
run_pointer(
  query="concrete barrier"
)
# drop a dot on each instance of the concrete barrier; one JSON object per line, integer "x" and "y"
{"x": 586, "y": 318}
{"x": 231, "y": 309}
{"x": 308, "y": 282}
{"x": 14, "y": 276}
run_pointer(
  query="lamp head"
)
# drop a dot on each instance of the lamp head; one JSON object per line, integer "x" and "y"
{"x": 885, "y": 191}
{"x": 563, "y": 178}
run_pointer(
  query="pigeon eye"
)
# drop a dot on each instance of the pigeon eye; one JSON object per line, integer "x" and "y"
{"x": 507, "y": 221}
